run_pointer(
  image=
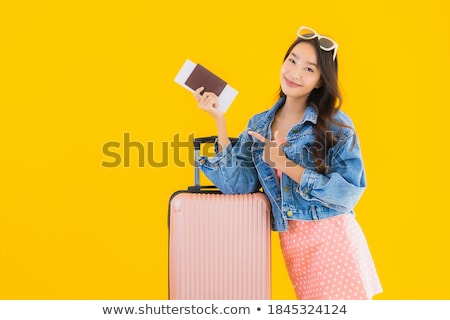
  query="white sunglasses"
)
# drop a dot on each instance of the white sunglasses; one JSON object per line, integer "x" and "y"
{"x": 326, "y": 43}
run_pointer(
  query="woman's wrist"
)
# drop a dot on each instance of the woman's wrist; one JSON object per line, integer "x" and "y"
{"x": 290, "y": 168}
{"x": 222, "y": 134}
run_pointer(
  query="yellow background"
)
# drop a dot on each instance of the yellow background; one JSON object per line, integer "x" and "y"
{"x": 77, "y": 74}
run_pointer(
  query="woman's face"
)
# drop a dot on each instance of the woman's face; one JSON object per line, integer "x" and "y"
{"x": 300, "y": 72}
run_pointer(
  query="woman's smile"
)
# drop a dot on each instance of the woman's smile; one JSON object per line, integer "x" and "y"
{"x": 292, "y": 84}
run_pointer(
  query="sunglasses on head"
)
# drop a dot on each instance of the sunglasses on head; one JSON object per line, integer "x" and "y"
{"x": 326, "y": 43}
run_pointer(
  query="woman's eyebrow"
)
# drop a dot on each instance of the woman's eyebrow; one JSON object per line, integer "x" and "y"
{"x": 307, "y": 62}
{"x": 295, "y": 56}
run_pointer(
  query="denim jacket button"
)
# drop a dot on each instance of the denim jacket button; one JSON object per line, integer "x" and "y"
{"x": 286, "y": 188}
{"x": 289, "y": 213}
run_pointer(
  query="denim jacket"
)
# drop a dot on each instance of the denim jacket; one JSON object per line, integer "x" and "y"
{"x": 239, "y": 168}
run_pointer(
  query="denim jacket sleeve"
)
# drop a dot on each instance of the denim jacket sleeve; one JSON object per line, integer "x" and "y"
{"x": 343, "y": 186}
{"x": 232, "y": 169}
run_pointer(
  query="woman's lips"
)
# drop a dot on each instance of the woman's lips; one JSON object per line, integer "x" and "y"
{"x": 291, "y": 83}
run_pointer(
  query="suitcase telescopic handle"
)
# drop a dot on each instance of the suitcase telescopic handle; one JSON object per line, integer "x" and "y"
{"x": 199, "y": 141}
{"x": 197, "y": 145}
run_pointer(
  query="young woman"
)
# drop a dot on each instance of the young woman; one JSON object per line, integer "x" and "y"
{"x": 305, "y": 154}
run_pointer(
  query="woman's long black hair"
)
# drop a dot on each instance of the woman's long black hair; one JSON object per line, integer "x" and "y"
{"x": 327, "y": 99}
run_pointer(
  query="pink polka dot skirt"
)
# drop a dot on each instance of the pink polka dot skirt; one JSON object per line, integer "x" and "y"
{"x": 329, "y": 259}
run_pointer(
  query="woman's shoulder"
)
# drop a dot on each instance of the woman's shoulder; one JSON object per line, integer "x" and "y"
{"x": 343, "y": 117}
{"x": 256, "y": 117}
{"x": 258, "y": 121}
{"x": 343, "y": 124}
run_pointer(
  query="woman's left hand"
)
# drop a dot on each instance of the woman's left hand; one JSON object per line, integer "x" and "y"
{"x": 273, "y": 153}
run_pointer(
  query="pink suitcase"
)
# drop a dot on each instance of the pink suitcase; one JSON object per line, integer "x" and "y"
{"x": 219, "y": 245}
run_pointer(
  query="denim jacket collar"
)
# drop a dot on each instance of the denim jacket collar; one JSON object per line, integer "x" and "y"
{"x": 311, "y": 115}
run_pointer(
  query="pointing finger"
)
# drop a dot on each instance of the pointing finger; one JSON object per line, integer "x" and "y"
{"x": 258, "y": 136}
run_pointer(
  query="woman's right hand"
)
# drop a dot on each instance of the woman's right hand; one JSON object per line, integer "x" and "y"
{"x": 209, "y": 102}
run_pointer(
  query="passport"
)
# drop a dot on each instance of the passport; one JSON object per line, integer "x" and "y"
{"x": 193, "y": 76}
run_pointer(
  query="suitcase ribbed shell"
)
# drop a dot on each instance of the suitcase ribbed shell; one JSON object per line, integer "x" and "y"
{"x": 219, "y": 247}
